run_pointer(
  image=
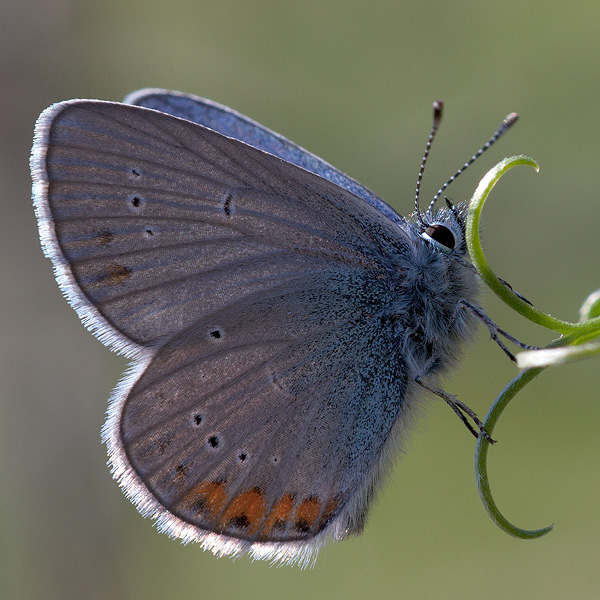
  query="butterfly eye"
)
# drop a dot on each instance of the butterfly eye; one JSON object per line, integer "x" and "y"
{"x": 441, "y": 236}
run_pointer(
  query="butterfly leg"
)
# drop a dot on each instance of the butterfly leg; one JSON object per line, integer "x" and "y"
{"x": 460, "y": 408}
{"x": 510, "y": 287}
{"x": 494, "y": 329}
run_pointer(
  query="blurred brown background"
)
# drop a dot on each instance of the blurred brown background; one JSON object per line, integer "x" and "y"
{"x": 353, "y": 82}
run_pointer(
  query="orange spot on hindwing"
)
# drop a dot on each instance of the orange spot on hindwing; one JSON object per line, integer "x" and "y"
{"x": 278, "y": 516}
{"x": 328, "y": 513}
{"x": 245, "y": 512}
{"x": 205, "y": 500}
{"x": 306, "y": 515}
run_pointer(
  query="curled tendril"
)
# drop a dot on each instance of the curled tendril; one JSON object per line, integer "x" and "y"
{"x": 481, "y": 451}
{"x": 577, "y": 340}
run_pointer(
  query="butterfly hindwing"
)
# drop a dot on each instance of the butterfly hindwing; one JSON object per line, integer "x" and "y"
{"x": 236, "y": 425}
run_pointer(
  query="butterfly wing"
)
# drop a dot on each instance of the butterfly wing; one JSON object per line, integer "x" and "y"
{"x": 256, "y": 298}
{"x": 262, "y": 423}
{"x": 235, "y": 125}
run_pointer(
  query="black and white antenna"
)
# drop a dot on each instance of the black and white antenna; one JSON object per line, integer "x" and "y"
{"x": 506, "y": 124}
{"x": 438, "y": 107}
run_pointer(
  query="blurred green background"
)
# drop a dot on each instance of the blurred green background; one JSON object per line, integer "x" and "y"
{"x": 353, "y": 82}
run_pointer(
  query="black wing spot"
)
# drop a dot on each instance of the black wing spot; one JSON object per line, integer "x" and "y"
{"x": 302, "y": 526}
{"x": 227, "y": 204}
{"x": 213, "y": 441}
{"x": 240, "y": 522}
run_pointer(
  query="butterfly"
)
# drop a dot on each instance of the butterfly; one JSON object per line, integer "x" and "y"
{"x": 282, "y": 320}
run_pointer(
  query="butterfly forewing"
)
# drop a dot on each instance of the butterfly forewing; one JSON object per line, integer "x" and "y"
{"x": 160, "y": 220}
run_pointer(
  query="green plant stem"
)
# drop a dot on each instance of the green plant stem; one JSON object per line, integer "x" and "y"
{"x": 481, "y": 451}
{"x": 573, "y": 335}
{"x": 476, "y": 252}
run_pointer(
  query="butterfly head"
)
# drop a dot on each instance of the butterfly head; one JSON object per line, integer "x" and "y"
{"x": 445, "y": 228}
